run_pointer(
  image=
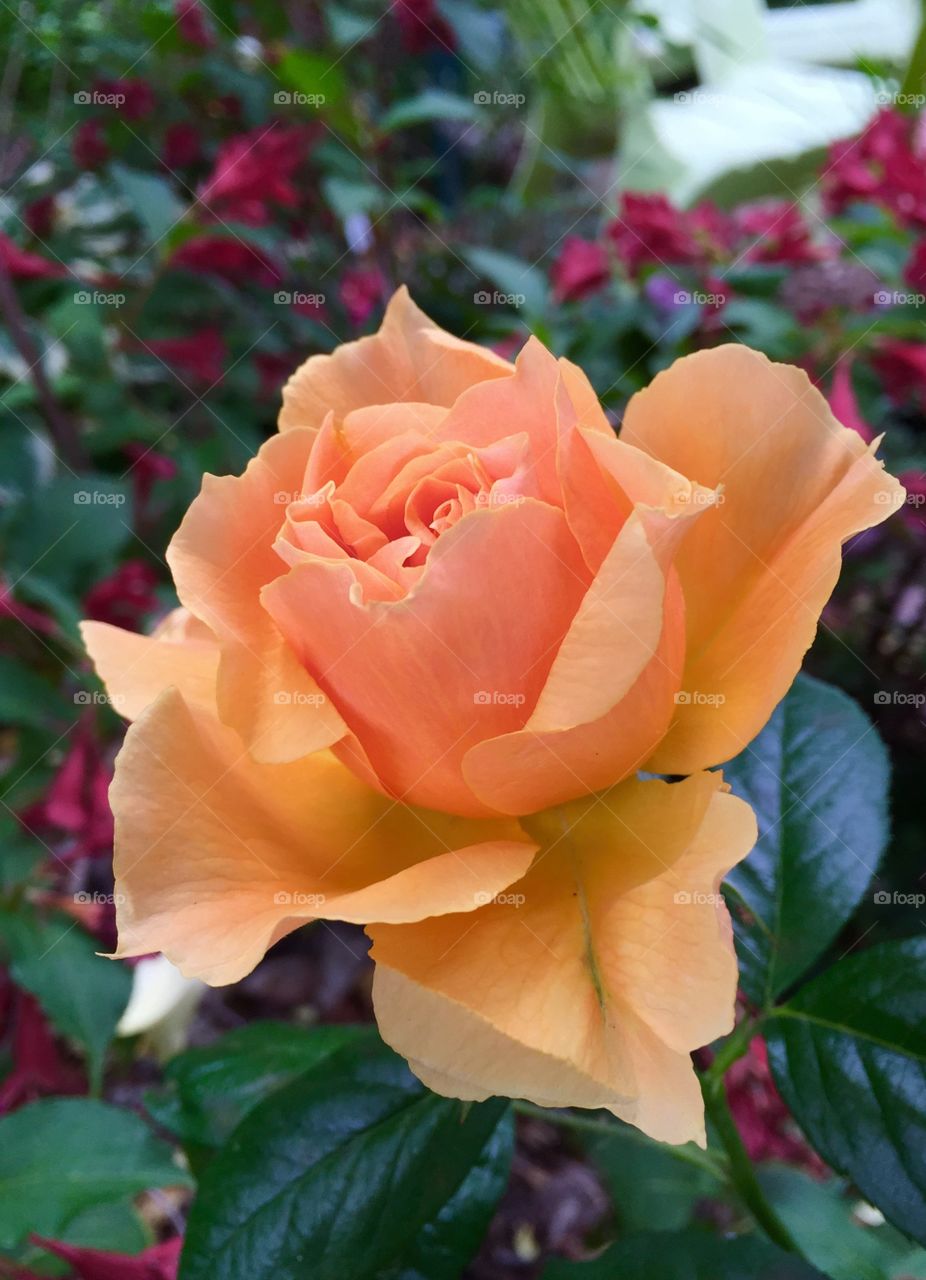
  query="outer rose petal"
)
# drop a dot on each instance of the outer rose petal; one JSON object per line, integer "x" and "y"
{"x": 592, "y": 988}
{"x": 757, "y": 570}
{"x": 466, "y": 653}
{"x": 410, "y": 358}
{"x": 217, "y": 856}
{"x": 220, "y": 557}
{"x": 182, "y": 652}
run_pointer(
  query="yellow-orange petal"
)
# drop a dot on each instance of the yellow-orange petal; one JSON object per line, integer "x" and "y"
{"x": 589, "y": 981}
{"x": 218, "y": 856}
{"x": 758, "y": 568}
{"x": 221, "y": 557}
{"x": 182, "y": 652}
{"x": 410, "y": 358}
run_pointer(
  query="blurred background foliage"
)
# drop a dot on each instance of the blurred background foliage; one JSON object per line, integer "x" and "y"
{"x": 195, "y": 197}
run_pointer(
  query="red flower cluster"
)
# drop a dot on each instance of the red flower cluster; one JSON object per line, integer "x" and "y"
{"x": 255, "y": 170}
{"x": 885, "y": 164}
{"x": 763, "y": 1120}
{"x": 650, "y": 231}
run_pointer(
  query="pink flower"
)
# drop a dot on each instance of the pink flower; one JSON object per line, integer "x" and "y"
{"x": 126, "y": 597}
{"x": 181, "y": 145}
{"x": 779, "y": 233}
{"x": 902, "y": 367}
{"x": 914, "y": 509}
{"x": 422, "y": 26}
{"x": 89, "y": 148}
{"x": 38, "y": 1067}
{"x": 77, "y": 802}
{"x": 884, "y": 164}
{"x": 40, "y": 216}
{"x": 200, "y": 357}
{"x": 157, "y": 1262}
{"x": 256, "y": 169}
{"x": 137, "y": 96}
{"x": 763, "y": 1120}
{"x": 361, "y": 292}
{"x": 192, "y": 23}
{"x": 915, "y": 270}
{"x": 843, "y": 402}
{"x": 582, "y": 267}
{"x": 229, "y": 258}
{"x": 25, "y": 265}
{"x": 148, "y": 467}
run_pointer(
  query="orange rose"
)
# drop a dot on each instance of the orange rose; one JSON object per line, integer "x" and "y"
{"x": 427, "y": 640}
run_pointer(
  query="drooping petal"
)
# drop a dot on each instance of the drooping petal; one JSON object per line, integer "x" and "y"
{"x": 468, "y": 649}
{"x": 588, "y": 982}
{"x": 218, "y": 856}
{"x": 221, "y": 557}
{"x": 758, "y": 568}
{"x": 182, "y": 652}
{"x": 410, "y": 358}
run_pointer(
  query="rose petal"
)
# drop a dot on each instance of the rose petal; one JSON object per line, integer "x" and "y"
{"x": 757, "y": 570}
{"x": 591, "y": 983}
{"x": 410, "y": 358}
{"x": 218, "y": 856}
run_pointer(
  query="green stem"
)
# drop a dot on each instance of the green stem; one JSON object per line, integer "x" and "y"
{"x": 914, "y": 81}
{"x": 742, "y": 1173}
{"x": 733, "y": 1047}
{"x": 605, "y": 1128}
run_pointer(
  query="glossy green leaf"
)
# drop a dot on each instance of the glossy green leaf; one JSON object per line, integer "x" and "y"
{"x": 210, "y": 1090}
{"x": 848, "y": 1053}
{"x": 817, "y": 778}
{"x": 62, "y": 1156}
{"x": 350, "y": 1161}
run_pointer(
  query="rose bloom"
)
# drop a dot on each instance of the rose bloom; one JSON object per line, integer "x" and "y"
{"x": 428, "y": 641}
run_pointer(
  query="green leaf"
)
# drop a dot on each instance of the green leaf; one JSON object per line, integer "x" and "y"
{"x": 652, "y": 1185}
{"x": 432, "y": 104}
{"x": 72, "y": 523}
{"x": 848, "y": 1054}
{"x": 351, "y": 1161}
{"x": 687, "y": 1255}
{"x": 513, "y": 278}
{"x": 62, "y": 1156}
{"x": 151, "y": 199}
{"x": 817, "y": 778}
{"x": 211, "y": 1090}
{"x": 82, "y": 993}
{"x": 819, "y": 1219}
{"x": 25, "y": 698}
{"x": 454, "y": 1235}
